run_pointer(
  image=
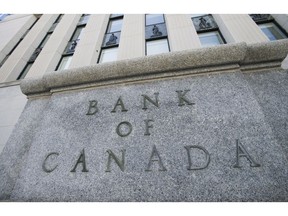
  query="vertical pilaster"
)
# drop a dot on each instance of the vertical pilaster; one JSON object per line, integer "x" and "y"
{"x": 12, "y": 30}
{"x": 181, "y": 32}
{"x": 18, "y": 59}
{"x": 88, "y": 49}
{"x": 239, "y": 28}
{"x": 51, "y": 53}
{"x": 132, "y": 41}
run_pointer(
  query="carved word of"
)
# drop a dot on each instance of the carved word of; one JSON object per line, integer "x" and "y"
{"x": 119, "y": 105}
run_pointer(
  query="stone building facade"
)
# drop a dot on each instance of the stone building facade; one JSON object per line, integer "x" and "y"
{"x": 33, "y": 46}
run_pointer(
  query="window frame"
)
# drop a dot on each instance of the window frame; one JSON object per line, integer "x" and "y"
{"x": 211, "y": 31}
{"x": 24, "y": 69}
{"x": 164, "y": 21}
{"x": 103, "y": 49}
{"x": 59, "y": 63}
{"x": 116, "y": 45}
{"x": 157, "y": 38}
{"x": 278, "y": 29}
{"x": 270, "y": 20}
{"x": 168, "y": 45}
{"x": 216, "y": 29}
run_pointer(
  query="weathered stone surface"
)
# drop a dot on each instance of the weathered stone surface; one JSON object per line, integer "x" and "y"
{"x": 225, "y": 110}
{"x": 210, "y": 137}
{"x": 158, "y": 65}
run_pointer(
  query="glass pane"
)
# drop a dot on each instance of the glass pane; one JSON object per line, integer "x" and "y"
{"x": 84, "y": 18}
{"x": 154, "y": 19}
{"x": 197, "y": 15}
{"x": 78, "y": 33}
{"x": 45, "y": 40}
{"x": 115, "y": 25}
{"x": 108, "y": 55}
{"x": 272, "y": 31}
{"x": 59, "y": 18}
{"x": 65, "y": 62}
{"x": 4, "y": 60}
{"x": 157, "y": 47}
{"x": 25, "y": 71}
{"x": 210, "y": 39}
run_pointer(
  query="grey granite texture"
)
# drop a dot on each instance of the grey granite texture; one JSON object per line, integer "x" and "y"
{"x": 226, "y": 109}
{"x": 228, "y": 54}
{"x": 14, "y": 154}
{"x": 219, "y": 110}
{"x": 270, "y": 90}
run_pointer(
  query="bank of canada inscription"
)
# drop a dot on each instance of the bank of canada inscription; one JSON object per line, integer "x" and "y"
{"x": 125, "y": 128}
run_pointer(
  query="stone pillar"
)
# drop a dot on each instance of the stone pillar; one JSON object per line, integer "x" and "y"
{"x": 11, "y": 31}
{"x": 239, "y": 28}
{"x": 181, "y": 32}
{"x": 89, "y": 46}
{"x": 18, "y": 59}
{"x": 51, "y": 54}
{"x": 132, "y": 41}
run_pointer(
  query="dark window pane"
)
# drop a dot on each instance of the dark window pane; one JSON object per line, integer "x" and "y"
{"x": 78, "y": 33}
{"x": 25, "y": 71}
{"x": 45, "y": 40}
{"x": 115, "y": 25}
{"x": 154, "y": 19}
{"x": 272, "y": 31}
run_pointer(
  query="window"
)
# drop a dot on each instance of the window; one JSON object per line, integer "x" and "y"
{"x": 34, "y": 56}
{"x": 157, "y": 46}
{"x": 84, "y": 19}
{"x": 59, "y": 18}
{"x": 44, "y": 41}
{"x": 111, "y": 39}
{"x": 272, "y": 31}
{"x": 114, "y": 26}
{"x": 64, "y": 62}
{"x": 196, "y": 15}
{"x": 108, "y": 55}
{"x": 268, "y": 26}
{"x": 156, "y": 34}
{"x": 207, "y": 30}
{"x": 78, "y": 32}
{"x": 210, "y": 39}
{"x": 67, "y": 55}
{"x": 7, "y": 56}
{"x": 25, "y": 71}
{"x": 154, "y": 19}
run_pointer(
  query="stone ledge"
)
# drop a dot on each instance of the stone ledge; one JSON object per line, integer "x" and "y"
{"x": 228, "y": 54}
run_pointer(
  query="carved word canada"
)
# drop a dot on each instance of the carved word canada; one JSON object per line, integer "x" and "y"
{"x": 50, "y": 161}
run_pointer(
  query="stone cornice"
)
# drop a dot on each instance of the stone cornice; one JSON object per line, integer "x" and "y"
{"x": 229, "y": 56}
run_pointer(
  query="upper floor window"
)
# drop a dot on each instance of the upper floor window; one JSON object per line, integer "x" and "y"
{"x": 84, "y": 19}
{"x": 111, "y": 39}
{"x": 114, "y": 25}
{"x": 207, "y": 30}
{"x": 156, "y": 34}
{"x": 154, "y": 19}
{"x": 272, "y": 31}
{"x": 66, "y": 58}
{"x": 269, "y": 26}
{"x": 212, "y": 38}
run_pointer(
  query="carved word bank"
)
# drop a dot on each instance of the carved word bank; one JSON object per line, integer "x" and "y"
{"x": 123, "y": 129}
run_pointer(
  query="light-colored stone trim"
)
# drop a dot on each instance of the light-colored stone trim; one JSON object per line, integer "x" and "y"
{"x": 252, "y": 56}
